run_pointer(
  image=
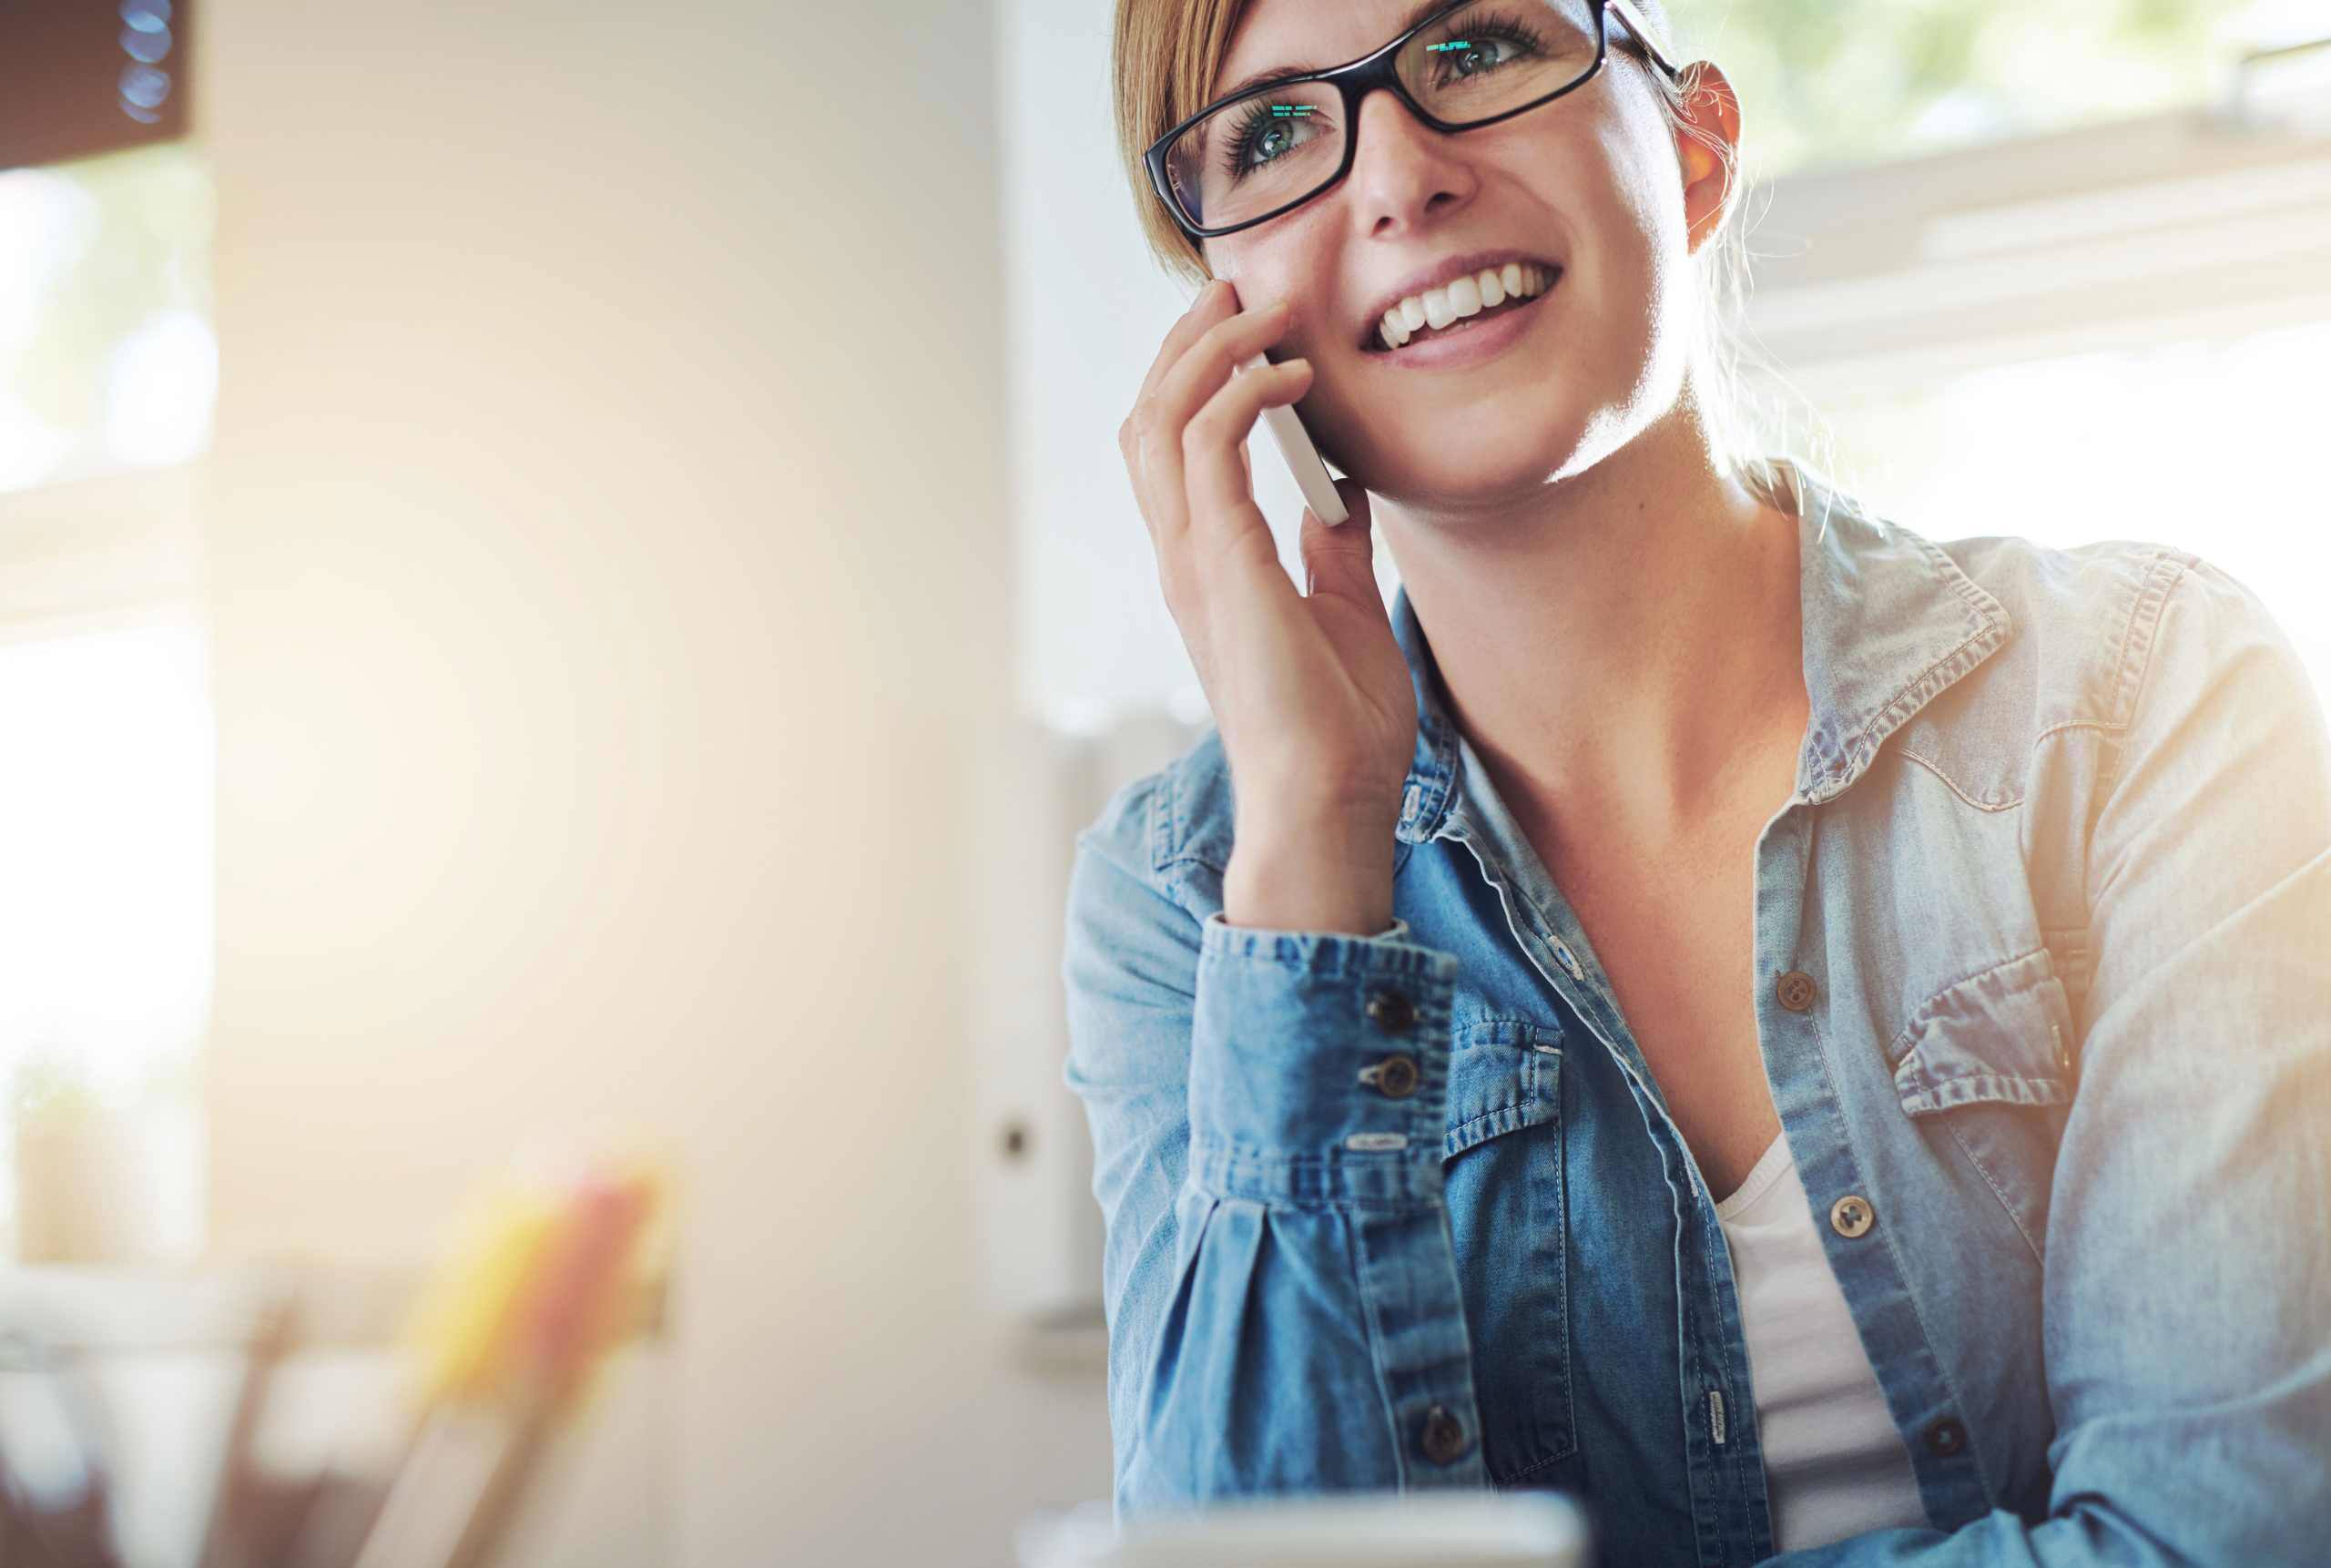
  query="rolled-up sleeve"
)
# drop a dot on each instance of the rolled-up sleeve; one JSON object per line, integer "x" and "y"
{"x": 1268, "y": 1109}
{"x": 2188, "y": 1291}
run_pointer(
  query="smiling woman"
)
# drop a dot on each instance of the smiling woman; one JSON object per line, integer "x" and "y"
{"x": 1695, "y": 1005}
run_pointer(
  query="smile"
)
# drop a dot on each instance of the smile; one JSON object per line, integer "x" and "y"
{"x": 1488, "y": 293}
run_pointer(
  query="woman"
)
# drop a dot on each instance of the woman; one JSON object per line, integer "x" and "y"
{"x": 1809, "y": 1039}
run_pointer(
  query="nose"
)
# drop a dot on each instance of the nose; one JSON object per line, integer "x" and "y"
{"x": 1403, "y": 168}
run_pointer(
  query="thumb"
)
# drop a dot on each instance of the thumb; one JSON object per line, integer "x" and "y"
{"x": 1340, "y": 560}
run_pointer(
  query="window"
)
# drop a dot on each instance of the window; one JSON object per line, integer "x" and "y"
{"x": 106, "y": 359}
{"x": 2107, "y": 331}
{"x": 2208, "y": 443}
{"x": 1836, "y": 82}
{"x": 105, "y": 937}
{"x": 107, "y": 373}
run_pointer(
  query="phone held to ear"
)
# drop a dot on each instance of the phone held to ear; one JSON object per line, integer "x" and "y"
{"x": 1294, "y": 444}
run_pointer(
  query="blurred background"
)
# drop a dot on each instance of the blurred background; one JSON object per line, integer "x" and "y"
{"x": 567, "y": 583}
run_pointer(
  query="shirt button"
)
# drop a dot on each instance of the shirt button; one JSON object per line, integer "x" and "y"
{"x": 1569, "y": 962}
{"x": 1851, "y": 1215}
{"x": 1443, "y": 1436}
{"x": 1395, "y": 1077}
{"x": 1946, "y": 1437}
{"x": 1392, "y": 1011}
{"x": 1795, "y": 989}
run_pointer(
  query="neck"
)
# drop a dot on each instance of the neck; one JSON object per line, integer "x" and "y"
{"x": 1620, "y": 640}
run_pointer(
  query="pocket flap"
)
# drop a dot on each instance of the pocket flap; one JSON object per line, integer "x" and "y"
{"x": 2005, "y": 1035}
{"x": 1504, "y": 1074}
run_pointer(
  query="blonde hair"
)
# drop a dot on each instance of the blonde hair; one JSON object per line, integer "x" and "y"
{"x": 1165, "y": 56}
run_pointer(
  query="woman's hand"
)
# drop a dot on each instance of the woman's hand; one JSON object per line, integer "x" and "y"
{"x": 1309, "y": 692}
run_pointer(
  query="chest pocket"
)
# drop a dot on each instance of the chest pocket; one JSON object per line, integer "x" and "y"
{"x": 1504, "y": 1074}
{"x": 1990, "y": 1061}
{"x": 1508, "y": 1224}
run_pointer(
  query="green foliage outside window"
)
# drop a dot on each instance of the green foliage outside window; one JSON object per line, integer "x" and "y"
{"x": 1830, "y": 82}
{"x": 105, "y": 358}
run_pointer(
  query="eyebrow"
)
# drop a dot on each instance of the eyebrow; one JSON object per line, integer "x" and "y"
{"x": 1418, "y": 14}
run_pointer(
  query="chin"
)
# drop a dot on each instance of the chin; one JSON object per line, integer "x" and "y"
{"x": 1461, "y": 454}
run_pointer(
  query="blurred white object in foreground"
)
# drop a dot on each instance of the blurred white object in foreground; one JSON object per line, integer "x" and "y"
{"x": 1371, "y": 1529}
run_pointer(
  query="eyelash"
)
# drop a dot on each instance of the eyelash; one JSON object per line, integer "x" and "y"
{"x": 1498, "y": 24}
{"x": 1506, "y": 25}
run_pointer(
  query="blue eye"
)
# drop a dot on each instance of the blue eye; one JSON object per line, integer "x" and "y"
{"x": 1467, "y": 62}
{"x": 1271, "y": 127}
{"x": 1473, "y": 37}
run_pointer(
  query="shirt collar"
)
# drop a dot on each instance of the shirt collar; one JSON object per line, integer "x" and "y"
{"x": 1889, "y": 621}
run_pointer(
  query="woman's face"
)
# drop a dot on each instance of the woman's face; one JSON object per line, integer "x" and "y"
{"x": 1590, "y": 183}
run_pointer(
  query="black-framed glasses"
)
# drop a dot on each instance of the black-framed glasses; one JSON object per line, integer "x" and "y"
{"x": 1274, "y": 144}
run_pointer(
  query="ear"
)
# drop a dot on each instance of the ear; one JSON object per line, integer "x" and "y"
{"x": 1712, "y": 111}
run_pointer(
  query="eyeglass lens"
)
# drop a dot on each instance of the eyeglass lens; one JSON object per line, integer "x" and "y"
{"x": 1264, "y": 152}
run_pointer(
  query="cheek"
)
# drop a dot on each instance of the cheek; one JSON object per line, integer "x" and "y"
{"x": 1248, "y": 271}
{"x": 1645, "y": 195}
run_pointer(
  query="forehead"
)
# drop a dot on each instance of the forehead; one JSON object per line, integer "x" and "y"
{"x": 1312, "y": 34}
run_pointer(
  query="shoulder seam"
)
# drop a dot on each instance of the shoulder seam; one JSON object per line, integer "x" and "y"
{"x": 2139, "y": 637}
{"x": 1156, "y": 834}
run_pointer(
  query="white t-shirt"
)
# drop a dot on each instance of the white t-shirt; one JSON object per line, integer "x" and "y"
{"x": 1835, "y": 1465}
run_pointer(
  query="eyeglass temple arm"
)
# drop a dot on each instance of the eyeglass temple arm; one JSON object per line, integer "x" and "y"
{"x": 1643, "y": 35}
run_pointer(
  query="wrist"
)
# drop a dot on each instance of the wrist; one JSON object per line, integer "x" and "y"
{"x": 1333, "y": 877}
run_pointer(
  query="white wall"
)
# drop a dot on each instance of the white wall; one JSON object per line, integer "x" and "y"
{"x": 594, "y": 674}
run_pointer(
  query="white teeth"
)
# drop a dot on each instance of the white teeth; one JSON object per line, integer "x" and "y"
{"x": 1463, "y": 297}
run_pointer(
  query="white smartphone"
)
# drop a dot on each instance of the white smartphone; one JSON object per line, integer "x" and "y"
{"x": 1303, "y": 460}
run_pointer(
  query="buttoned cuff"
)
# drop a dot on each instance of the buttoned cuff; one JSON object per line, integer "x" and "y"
{"x": 1319, "y": 1064}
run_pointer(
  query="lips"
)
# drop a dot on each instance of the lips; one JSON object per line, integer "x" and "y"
{"x": 1407, "y": 341}
{"x": 1439, "y": 276}
{"x": 1474, "y": 340}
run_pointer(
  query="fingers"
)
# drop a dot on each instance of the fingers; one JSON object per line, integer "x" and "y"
{"x": 1217, "y": 301}
{"x": 1152, "y": 446}
{"x": 1340, "y": 561}
{"x": 1216, "y": 437}
{"x": 1156, "y": 437}
{"x": 1208, "y": 362}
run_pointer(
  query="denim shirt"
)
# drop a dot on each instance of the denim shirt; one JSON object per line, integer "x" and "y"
{"x": 2043, "y": 991}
